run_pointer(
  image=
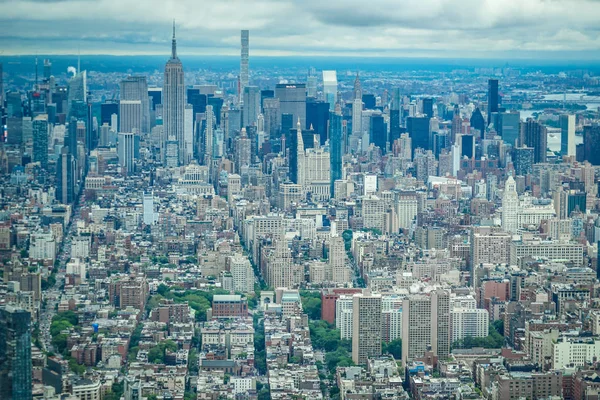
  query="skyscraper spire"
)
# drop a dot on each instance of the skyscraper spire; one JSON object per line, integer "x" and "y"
{"x": 36, "y": 73}
{"x": 357, "y": 87}
{"x": 174, "y": 44}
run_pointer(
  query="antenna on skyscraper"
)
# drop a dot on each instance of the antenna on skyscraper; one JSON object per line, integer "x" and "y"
{"x": 36, "y": 72}
{"x": 78, "y": 60}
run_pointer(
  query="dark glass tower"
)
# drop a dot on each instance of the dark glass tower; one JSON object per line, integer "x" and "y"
{"x": 591, "y": 143}
{"x": 535, "y": 135}
{"x": 418, "y": 130}
{"x": 65, "y": 177}
{"x": 378, "y": 132}
{"x": 317, "y": 115}
{"x": 15, "y": 354}
{"x": 107, "y": 110}
{"x": 40, "y": 140}
{"x": 395, "y": 129}
{"x": 428, "y": 107}
{"x": 478, "y": 122}
{"x": 508, "y": 127}
{"x": 467, "y": 146}
{"x": 336, "y": 148}
{"x": 492, "y": 98}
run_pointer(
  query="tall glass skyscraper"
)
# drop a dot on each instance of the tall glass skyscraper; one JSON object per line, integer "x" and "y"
{"x": 292, "y": 100}
{"x": 244, "y": 59}
{"x": 174, "y": 100}
{"x": 492, "y": 98}
{"x": 40, "y": 140}
{"x": 15, "y": 354}
{"x": 336, "y": 148}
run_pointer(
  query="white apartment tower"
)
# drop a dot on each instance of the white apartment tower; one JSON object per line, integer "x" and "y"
{"x": 510, "y": 206}
{"x": 366, "y": 327}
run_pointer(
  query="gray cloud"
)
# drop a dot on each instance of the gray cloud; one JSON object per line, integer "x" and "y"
{"x": 468, "y": 28}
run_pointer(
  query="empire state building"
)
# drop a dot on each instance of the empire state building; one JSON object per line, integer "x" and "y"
{"x": 174, "y": 102}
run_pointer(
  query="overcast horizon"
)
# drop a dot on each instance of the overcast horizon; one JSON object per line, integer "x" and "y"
{"x": 517, "y": 29}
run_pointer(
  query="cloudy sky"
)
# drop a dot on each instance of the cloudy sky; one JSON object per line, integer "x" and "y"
{"x": 395, "y": 28}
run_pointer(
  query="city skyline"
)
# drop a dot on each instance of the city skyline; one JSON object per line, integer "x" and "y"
{"x": 432, "y": 28}
{"x": 290, "y": 226}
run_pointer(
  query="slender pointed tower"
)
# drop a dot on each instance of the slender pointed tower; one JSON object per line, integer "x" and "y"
{"x": 174, "y": 100}
{"x": 300, "y": 154}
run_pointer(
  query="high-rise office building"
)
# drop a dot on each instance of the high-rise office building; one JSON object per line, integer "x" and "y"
{"x": 130, "y": 113}
{"x": 148, "y": 203}
{"x": 292, "y": 100}
{"x": 535, "y": 135}
{"x": 418, "y": 130}
{"x": 15, "y": 354}
{"x": 416, "y": 327}
{"x": 251, "y": 108}
{"x": 330, "y": 88}
{"x": 478, "y": 122}
{"x": 428, "y": 107}
{"x": 188, "y": 133}
{"x": 317, "y": 117}
{"x": 272, "y": 115}
{"x": 209, "y": 135}
{"x": 509, "y": 127}
{"x": 126, "y": 150}
{"x": 369, "y": 101}
{"x": 378, "y": 132}
{"x": 135, "y": 88}
{"x": 467, "y": 146}
{"x": 336, "y": 148}
{"x": 242, "y": 151}
{"x": 298, "y": 160}
{"x": 40, "y": 140}
{"x": 567, "y": 135}
{"x": 523, "y": 160}
{"x": 71, "y": 137}
{"x": 426, "y": 326}
{"x": 266, "y": 94}
{"x": 492, "y": 98}
{"x": 510, "y": 206}
{"x": 591, "y": 143}
{"x": 65, "y": 177}
{"x": 366, "y": 327}
{"x": 107, "y": 109}
{"x": 311, "y": 83}
{"x": 155, "y": 94}
{"x": 337, "y": 259}
{"x": 14, "y": 126}
{"x": 244, "y": 59}
{"x": 174, "y": 100}
{"x": 77, "y": 91}
{"x": 357, "y": 106}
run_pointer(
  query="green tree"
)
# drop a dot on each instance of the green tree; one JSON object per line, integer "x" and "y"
{"x": 68, "y": 316}
{"x": 75, "y": 367}
{"x": 157, "y": 354}
{"x": 116, "y": 392}
{"x": 394, "y": 348}
{"x": 347, "y": 236}
{"x": 311, "y": 303}
{"x": 60, "y": 342}
{"x": 324, "y": 336}
{"x": 264, "y": 393}
{"x": 56, "y": 327}
{"x": 193, "y": 361}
